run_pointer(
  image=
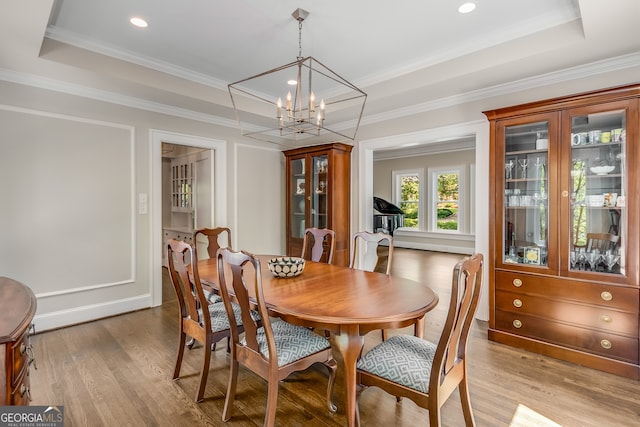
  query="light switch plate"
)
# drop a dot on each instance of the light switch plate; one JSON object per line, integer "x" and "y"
{"x": 143, "y": 206}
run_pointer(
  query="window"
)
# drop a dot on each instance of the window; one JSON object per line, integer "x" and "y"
{"x": 407, "y": 194}
{"x": 446, "y": 211}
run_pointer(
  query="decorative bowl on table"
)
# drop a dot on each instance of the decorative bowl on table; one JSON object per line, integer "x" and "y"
{"x": 602, "y": 170}
{"x": 286, "y": 266}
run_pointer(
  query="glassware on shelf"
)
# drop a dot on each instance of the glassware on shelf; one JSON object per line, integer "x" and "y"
{"x": 573, "y": 258}
{"x": 610, "y": 260}
{"x": 593, "y": 258}
{"x": 509, "y": 168}
{"x": 524, "y": 163}
{"x": 539, "y": 164}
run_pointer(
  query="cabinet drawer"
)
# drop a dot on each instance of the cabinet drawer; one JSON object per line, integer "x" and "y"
{"x": 21, "y": 393}
{"x": 20, "y": 357}
{"x": 597, "y": 342}
{"x": 618, "y": 297}
{"x": 582, "y": 315}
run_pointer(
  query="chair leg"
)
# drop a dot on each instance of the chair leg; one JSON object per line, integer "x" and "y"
{"x": 384, "y": 335}
{"x": 465, "y": 400}
{"x": 231, "y": 391}
{"x": 272, "y": 402}
{"x": 434, "y": 416}
{"x": 181, "y": 341}
{"x": 206, "y": 352}
{"x": 333, "y": 368}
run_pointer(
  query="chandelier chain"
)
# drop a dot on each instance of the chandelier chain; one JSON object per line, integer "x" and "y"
{"x": 299, "y": 38}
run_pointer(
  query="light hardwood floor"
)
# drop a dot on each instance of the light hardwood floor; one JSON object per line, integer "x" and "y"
{"x": 117, "y": 372}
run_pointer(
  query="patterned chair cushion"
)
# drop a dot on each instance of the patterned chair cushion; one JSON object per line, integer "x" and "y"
{"x": 292, "y": 342}
{"x": 220, "y": 319}
{"x": 403, "y": 359}
{"x": 212, "y": 297}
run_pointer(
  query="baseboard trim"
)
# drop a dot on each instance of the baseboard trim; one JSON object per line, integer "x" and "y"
{"x": 87, "y": 313}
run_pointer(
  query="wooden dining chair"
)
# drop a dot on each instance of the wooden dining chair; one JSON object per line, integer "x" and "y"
{"x": 318, "y": 244}
{"x": 215, "y": 238}
{"x": 207, "y": 329}
{"x": 602, "y": 241}
{"x": 273, "y": 349}
{"x": 212, "y": 239}
{"x": 425, "y": 372}
{"x": 372, "y": 252}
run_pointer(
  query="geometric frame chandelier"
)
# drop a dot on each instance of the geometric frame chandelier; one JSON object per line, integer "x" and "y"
{"x": 298, "y": 100}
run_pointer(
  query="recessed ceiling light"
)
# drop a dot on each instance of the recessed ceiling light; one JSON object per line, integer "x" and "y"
{"x": 139, "y": 22}
{"x": 292, "y": 82}
{"x": 467, "y": 7}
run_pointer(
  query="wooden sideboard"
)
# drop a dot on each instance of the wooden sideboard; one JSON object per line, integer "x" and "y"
{"x": 17, "y": 308}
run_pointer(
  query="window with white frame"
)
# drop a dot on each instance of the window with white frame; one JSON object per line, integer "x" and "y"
{"x": 407, "y": 194}
{"x": 445, "y": 203}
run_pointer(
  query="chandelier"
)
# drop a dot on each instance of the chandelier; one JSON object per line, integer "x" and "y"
{"x": 298, "y": 100}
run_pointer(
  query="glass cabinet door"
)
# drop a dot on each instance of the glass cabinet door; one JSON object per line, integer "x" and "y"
{"x": 298, "y": 195}
{"x": 598, "y": 183}
{"x": 525, "y": 215}
{"x": 319, "y": 190}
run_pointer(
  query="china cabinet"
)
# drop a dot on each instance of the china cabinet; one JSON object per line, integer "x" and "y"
{"x": 18, "y": 307}
{"x": 318, "y": 195}
{"x": 182, "y": 180}
{"x": 564, "y": 245}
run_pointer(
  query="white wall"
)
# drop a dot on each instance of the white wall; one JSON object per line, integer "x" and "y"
{"x": 72, "y": 169}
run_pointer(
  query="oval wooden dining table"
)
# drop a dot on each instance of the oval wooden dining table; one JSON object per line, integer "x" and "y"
{"x": 347, "y": 302}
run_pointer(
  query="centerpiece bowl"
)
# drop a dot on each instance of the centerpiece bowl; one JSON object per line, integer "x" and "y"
{"x": 286, "y": 266}
{"x": 602, "y": 170}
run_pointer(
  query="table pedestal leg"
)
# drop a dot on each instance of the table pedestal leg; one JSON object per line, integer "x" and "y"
{"x": 350, "y": 343}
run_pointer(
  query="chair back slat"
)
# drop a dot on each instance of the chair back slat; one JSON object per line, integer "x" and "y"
{"x": 190, "y": 294}
{"x": 318, "y": 244}
{"x": 215, "y": 238}
{"x": 372, "y": 252}
{"x": 465, "y": 293}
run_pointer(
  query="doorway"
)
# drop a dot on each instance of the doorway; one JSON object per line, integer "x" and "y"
{"x": 210, "y": 214}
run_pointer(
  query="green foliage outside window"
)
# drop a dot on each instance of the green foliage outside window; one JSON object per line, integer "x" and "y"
{"x": 447, "y": 207}
{"x": 410, "y": 196}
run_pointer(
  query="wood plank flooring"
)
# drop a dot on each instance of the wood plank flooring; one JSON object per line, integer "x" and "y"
{"x": 117, "y": 372}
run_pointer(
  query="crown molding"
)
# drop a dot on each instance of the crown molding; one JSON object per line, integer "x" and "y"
{"x": 588, "y": 70}
{"x": 70, "y": 38}
{"x": 110, "y": 97}
{"x": 579, "y": 72}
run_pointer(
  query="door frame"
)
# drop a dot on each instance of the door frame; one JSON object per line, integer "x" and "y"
{"x": 219, "y": 211}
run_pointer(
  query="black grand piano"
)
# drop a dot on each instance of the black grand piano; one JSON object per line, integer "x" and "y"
{"x": 389, "y": 217}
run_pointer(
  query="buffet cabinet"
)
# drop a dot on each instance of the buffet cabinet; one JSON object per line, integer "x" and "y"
{"x": 564, "y": 244}
{"x": 17, "y": 309}
{"x": 318, "y": 195}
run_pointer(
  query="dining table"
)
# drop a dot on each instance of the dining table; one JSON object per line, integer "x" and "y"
{"x": 347, "y": 302}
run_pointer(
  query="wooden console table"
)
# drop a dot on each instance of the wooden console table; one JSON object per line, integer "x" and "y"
{"x": 17, "y": 308}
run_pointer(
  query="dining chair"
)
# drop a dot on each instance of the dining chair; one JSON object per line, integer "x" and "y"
{"x": 425, "y": 372}
{"x": 206, "y": 329}
{"x": 273, "y": 349}
{"x": 602, "y": 241}
{"x": 372, "y": 252}
{"x": 214, "y": 239}
{"x": 318, "y": 244}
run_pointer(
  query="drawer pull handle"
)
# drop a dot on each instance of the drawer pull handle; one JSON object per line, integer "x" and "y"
{"x": 606, "y": 344}
{"x": 517, "y": 303}
{"x": 606, "y": 296}
{"x": 605, "y": 318}
{"x": 517, "y": 324}
{"x": 517, "y": 283}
